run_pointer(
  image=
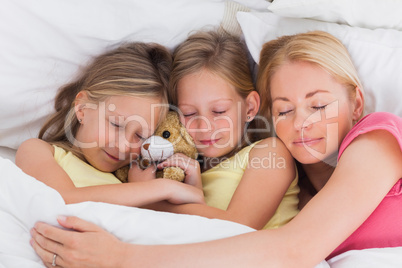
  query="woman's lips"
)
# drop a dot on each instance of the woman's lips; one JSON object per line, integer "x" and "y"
{"x": 307, "y": 141}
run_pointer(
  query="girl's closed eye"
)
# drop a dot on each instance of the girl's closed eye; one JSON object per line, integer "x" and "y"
{"x": 140, "y": 136}
{"x": 221, "y": 107}
{"x": 188, "y": 114}
{"x": 219, "y": 112}
{"x": 187, "y": 110}
{"x": 115, "y": 124}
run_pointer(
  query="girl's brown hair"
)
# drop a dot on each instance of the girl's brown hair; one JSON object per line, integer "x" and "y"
{"x": 221, "y": 54}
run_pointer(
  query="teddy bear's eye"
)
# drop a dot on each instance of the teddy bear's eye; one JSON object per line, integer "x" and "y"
{"x": 166, "y": 134}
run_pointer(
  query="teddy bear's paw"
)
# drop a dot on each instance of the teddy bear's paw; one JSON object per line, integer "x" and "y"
{"x": 122, "y": 173}
{"x": 173, "y": 173}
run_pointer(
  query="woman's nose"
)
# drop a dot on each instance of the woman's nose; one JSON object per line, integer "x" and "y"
{"x": 304, "y": 119}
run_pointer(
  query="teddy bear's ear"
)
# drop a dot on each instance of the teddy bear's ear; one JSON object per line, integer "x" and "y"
{"x": 186, "y": 136}
{"x": 189, "y": 140}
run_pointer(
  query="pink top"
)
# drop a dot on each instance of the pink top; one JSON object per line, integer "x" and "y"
{"x": 383, "y": 228}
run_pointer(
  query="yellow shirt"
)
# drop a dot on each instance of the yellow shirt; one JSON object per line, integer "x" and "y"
{"x": 82, "y": 174}
{"x": 221, "y": 181}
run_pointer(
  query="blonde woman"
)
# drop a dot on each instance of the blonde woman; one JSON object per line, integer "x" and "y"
{"x": 315, "y": 100}
{"x": 100, "y": 122}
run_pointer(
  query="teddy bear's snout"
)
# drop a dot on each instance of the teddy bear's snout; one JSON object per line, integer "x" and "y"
{"x": 156, "y": 148}
{"x": 145, "y": 146}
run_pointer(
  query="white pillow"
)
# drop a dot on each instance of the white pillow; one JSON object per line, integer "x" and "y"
{"x": 256, "y": 5}
{"x": 44, "y": 43}
{"x": 377, "y": 54}
{"x": 362, "y": 13}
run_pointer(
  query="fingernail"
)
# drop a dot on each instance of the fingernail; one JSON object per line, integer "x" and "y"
{"x": 61, "y": 218}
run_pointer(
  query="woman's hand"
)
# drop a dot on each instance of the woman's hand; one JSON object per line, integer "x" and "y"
{"x": 190, "y": 166}
{"x": 84, "y": 245}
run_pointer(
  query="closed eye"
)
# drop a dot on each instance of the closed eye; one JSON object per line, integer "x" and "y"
{"x": 188, "y": 115}
{"x": 284, "y": 113}
{"x": 114, "y": 124}
{"x": 140, "y": 137}
{"x": 320, "y": 107}
{"x": 219, "y": 112}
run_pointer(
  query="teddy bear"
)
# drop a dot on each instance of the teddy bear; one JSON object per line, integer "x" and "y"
{"x": 169, "y": 138}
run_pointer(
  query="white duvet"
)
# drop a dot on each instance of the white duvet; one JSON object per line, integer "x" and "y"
{"x": 24, "y": 201}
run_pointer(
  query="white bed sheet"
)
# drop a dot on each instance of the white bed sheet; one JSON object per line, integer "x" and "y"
{"x": 24, "y": 201}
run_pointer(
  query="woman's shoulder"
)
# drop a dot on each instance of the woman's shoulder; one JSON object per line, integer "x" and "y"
{"x": 379, "y": 120}
{"x": 374, "y": 122}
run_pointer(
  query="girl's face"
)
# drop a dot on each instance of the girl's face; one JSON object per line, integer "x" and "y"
{"x": 112, "y": 131}
{"x": 214, "y": 114}
{"x": 312, "y": 112}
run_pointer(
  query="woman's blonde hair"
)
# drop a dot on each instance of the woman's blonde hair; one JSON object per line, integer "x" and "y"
{"x": 221, "y": 54}
{"x": 315, "y": 47}
{"x": 132, "y": 69}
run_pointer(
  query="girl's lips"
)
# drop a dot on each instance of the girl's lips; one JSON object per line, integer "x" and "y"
{"x": 112, "y": 157}
{"x": 307, "y": 141}
{"x": 209, "y": 142}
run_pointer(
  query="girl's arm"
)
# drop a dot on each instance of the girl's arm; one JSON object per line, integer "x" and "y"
{"x": 36, "y": 158}
{"x": 259, "y": 192}
{"x": 372, "y": 160}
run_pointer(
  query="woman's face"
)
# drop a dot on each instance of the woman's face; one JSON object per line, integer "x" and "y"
{"x": 111, "y": 132}
{"x": 312, "y": 112}
{"x": 213, "y": 112}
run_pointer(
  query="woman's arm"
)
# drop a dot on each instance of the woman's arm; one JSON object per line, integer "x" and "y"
{"x": 365, "y": 173}
{"x": 35, "y": 157}
{"x": 372, "y": 160}
{"x": 90, "y": 246}
{"x": 259, "y": 192}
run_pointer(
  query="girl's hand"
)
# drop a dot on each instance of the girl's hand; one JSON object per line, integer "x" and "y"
{"x": 190, "y": 166}
{"x": 181, "y": 193}
{"x": 84, "y": 245}
{"x": 136, "y": 174}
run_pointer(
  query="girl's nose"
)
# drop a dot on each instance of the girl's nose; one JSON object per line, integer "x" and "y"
{"x": 124, "y": 148}
{"x": 199, "y": 124}
{"x": 126, "y": 145}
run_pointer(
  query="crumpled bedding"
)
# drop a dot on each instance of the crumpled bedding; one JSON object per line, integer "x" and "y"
{"x": 25, "y": 200}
